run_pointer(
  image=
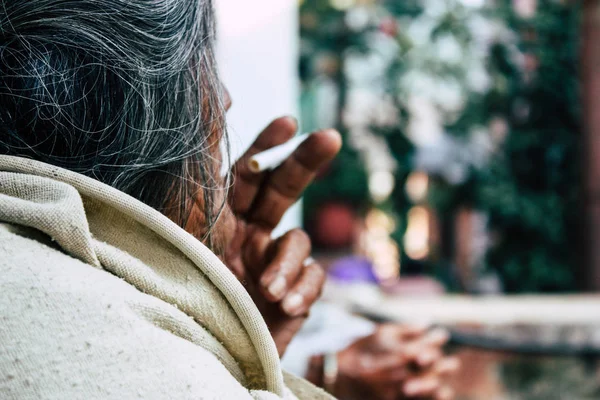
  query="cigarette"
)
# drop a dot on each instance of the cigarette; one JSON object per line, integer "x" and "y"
{"x": 275, "y": 156}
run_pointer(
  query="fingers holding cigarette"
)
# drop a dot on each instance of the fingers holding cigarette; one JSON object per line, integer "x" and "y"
{"x": 304, "y": 156}
{"x": 275, "y": 156}
{"x": 265, "y": 196}
{"x": 248, "y": 184}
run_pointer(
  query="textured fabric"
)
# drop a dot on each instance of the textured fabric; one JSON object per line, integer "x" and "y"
{"x": 104, "y": 297}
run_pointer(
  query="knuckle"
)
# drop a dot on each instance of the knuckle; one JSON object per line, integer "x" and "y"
{"x": 290, "y": 187}
{"x": 316, "y": 271}
{"x": 320, "y": 271}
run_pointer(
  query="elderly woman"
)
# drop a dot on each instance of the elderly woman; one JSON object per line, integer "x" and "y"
{"x": 111, "y": 120}
{"x": 118, "y": 238}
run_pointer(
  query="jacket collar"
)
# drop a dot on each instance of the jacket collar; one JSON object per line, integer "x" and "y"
{"x": 69, "y": 198}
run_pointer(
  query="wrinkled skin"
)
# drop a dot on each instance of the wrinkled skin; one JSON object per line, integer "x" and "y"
{"x": 396, "y": 362}
{"x": 273, "y": 270}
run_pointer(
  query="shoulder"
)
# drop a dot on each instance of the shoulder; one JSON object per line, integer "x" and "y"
{"x": 72, "y": 330}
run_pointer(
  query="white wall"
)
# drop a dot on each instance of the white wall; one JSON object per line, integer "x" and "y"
{"x": 257, "y": 52}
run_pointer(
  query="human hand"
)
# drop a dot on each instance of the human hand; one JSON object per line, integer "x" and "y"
{"x": 396, "y": 362}
{"x": 279, "y": 275}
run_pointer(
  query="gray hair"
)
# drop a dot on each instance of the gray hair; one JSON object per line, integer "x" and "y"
{"x": 124, "y": 91}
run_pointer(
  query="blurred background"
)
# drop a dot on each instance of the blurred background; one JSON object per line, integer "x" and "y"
{"x": 467, "y": 191}
{"x": 463, "y": 132}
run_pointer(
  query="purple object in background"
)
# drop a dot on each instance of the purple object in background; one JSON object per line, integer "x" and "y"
{"x": 352, "y": 269}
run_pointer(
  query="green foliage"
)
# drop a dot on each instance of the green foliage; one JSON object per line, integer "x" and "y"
{"x": 324, "y": 33}
{"x": 531, "y": 187}
{"x": 344, "y": 180}
{"x": 402, "y": 150}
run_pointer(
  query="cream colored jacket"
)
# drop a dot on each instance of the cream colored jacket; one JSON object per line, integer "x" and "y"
{"x": 102, "y": 297}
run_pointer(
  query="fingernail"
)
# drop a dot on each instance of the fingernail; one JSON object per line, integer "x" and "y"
{"x": 293, "y": 119}
{"x": 451, "y": 364}
{"x": 293, "y": 303}
{"x": 277, "y": 287}
{"x": 336, "y": 133}
{"x": 438, "y": 334}
{"x": 446, "y": 393}
{"x": 412, "y": 388}
{"x": 426, "y": 358}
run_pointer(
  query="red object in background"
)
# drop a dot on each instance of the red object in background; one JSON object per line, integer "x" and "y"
{"x": 334, "y": 225}
{"x": 389, "y": 26}
{"x": 590, "y": 71}
{"x": 531, "y": 62}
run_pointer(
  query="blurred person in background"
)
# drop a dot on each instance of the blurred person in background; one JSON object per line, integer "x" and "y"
{"x": 356, "y": 359}
{"x": 110, "y": 128}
